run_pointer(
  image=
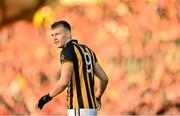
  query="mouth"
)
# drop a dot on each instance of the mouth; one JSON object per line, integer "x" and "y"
{"x": 56, "y": 42}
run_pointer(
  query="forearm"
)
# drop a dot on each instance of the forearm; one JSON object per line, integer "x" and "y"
{"x": 60, "y": 85}
{"x": 63, "y": 82}
{"x": 103, "y": 80}
{"x": 57, "y": 89}
{"x": 101, "y": 88}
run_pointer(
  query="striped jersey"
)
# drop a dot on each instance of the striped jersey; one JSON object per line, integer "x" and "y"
{"x": 80, "y": 93}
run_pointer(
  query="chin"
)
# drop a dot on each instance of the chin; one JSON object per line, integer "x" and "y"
{"x": 60, "y": 47}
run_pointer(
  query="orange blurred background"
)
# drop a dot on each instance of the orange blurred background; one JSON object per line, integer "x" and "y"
{"x": 136, "y": 41}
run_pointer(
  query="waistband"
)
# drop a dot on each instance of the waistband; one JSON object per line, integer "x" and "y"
{"x": 82, "y": 112}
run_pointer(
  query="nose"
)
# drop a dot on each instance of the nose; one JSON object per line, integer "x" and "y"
{"x": 54, "y": 38}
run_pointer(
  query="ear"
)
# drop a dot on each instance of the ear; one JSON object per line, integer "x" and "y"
{"x": 68, "y": 33}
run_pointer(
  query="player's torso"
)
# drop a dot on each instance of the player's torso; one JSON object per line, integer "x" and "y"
{"x": 81, "y": 87}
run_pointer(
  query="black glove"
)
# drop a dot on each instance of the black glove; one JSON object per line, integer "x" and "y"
{"x": 44, "y": 100}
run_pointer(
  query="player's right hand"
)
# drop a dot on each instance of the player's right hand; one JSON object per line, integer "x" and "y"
{"x": 43, "y": 100}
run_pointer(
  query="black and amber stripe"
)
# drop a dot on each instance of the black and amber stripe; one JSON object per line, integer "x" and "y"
{"x": 81, "y": 87}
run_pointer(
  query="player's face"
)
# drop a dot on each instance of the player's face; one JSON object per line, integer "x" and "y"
{"x": 60, "y": 36}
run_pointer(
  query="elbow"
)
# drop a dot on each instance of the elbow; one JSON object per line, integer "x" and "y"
{"x": 64, "y": 85}
{"x": 106, "y": 80}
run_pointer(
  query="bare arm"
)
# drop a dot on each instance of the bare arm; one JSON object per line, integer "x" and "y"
{"x": 62, "y": 83}
{"x": 99, "y": 72}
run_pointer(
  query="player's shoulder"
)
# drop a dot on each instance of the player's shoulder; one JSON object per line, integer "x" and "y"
{"x": 69, "y": 47}
{"x": 67, "y": 52}
{"x": 85, "y": 46}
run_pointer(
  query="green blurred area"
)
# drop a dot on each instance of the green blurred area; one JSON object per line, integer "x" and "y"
{"x": 137, "y": 43}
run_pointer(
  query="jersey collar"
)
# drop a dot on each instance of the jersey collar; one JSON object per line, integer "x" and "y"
{"x": 71, "y": 41}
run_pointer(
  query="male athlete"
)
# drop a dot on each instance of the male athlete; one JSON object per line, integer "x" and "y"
{"x": 79, "y": 65}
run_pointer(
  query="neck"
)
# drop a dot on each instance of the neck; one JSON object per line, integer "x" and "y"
{"x": 69, "y": 39}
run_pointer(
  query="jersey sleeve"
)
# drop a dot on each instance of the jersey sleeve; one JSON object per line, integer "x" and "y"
{"x": 66, "y": 55}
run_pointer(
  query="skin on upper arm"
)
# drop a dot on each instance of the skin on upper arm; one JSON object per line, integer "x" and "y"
{"x": 99, "y": 72}
{"x": 66, "y": 72}
{"x": 62, "y": 83}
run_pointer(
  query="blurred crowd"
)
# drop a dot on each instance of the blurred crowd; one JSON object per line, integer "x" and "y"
{"x": 136, "y": 41}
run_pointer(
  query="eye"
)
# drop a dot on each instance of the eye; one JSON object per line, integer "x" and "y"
{"x": 57, "y": 33}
